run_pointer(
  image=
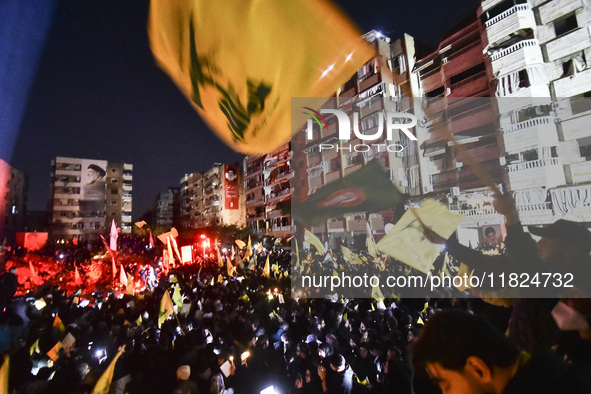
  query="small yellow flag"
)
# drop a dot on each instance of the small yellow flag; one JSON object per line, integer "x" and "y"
{"x": 34, "y": 348}
{"x": 166, "y": 308}
{"x": 57, "y": 323}
{"x": 220, "y": 261}
{"x": 177, "y": 297}
{"x": 376, "y": 293}
{"x": 248, "y": 250}
{"x": 240, "y": 243}
{"x": 4, "y": 375}
{"x": 313, "y": 240}
{"x": 350, "y": 257}
{"x": 420, "y": 321}
{"x": 54, "y": 352}
{"x": 267, "y": 268}
{"x": 230, "y": 268}
{"x": 103, "y": 385}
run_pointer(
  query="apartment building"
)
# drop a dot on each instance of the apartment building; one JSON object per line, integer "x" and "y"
{"x": 367, "y": 97}
{"x": 86, "y": 195}
{"x": 538, "y": 53}
{"x": 13, "y": 189}
{"x": 268, "y": 190}
{"x": 213, "y": 198}
{"x": 167, "y": 208}
{"x": 191, "y": 210}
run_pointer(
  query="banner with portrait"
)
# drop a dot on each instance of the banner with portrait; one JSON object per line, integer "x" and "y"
{"x": 93, "y": 186}
{"x": 231, "y": 187}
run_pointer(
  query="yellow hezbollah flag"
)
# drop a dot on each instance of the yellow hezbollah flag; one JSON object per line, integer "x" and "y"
{"x": 4, "y": 375}
{"x": 177, "y": 297}
{"x": 349, "y": 256}
{"x": 376, "y": 294}
{"x": 248, "y": 250}
{"x": 371, "y": 243}
{"x": 220, "y": 261}
{"x": 241, "y": 78}
{"x": 267, "y": 269}
{"x": 406, "y": 241}
{"x": 103, "y": 385}
{"x": 34, "y": 348}
{"x": 240, "y": 243}
{"x": 313, "y": 240}
{"x": 230, "y": 267}
{"x": 166, "y": 308}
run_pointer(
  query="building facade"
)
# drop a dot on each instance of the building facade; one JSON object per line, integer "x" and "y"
{"x": 167, "y": 208}
{"x": 268, "y": 190}
{"x": 213, "y": 198}
{"x": 13, "y": 193}
{"x": 87, "y": 195}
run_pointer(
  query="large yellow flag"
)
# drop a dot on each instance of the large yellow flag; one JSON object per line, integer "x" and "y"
{"x": 241, "y": 78}
{"x": 313, "y": 240}
{"x": 406, "y": 241}
{"x": 4, "y": 375}
{"x": 240, "y": 243}
{"x": 166, "y": 308}
{"x": 103, "y": 385}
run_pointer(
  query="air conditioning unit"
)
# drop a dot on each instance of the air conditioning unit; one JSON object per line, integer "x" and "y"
{"x": 455, "y": 191}
{"x": 428, "y": 189}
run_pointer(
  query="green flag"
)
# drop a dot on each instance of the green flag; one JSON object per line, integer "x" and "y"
{"x": 368, "y": 189}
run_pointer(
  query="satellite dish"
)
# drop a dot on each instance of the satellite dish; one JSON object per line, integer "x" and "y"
{"x": 388, "y": 227}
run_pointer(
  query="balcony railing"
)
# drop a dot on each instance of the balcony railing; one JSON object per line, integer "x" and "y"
{"x": 470, "y": 112}
{"x": 468, "y": 80}
{"x": 500, "y": 17}
{"x": 461, "y": 51}
{"x": 533, "y": 164}
{"x": 526, "y": 124}
{"x": 514, "y": 47}
{"x": 432, "y": 72}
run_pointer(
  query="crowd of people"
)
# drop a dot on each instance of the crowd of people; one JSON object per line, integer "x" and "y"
{"x": 242, "y": 331}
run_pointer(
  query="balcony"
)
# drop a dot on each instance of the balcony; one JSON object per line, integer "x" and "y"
{"x": 530, "y": 134}
{"x": 475, "y": 117}
{"x": 517, "y": 56}
{"x": 569, "y": 43}
{"x": 531, "y": 174}
{"x": 534, "y": 214}
{"x": 553, "y": 10}
{"x": 127, "y": 177}
{"x": 515, "y": 19}
{"x": 581, "y": 172}
{"x": 573, "y": 85}
{"x": 477, "y": 217}
{"x": 336, "y": 225}
{"x": 467, "y": 87}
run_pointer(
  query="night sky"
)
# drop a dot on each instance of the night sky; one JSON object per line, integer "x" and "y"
{"x": 98, "y": 94}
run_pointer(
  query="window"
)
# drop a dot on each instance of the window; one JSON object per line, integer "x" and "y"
{"x": 114, "y": 191}
{"x": 113, "y": 202}
{"x": 113, "y": 213}
{"x": 113, "y": 180}
{"x": 566, "y": 24}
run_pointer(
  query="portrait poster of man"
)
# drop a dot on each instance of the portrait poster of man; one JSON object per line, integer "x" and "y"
{"x": 231, "y": 190}
{"x": 93, "y": 185}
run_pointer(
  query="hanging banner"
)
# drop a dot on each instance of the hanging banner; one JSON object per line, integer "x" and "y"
{"x": 231, "y": 190}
